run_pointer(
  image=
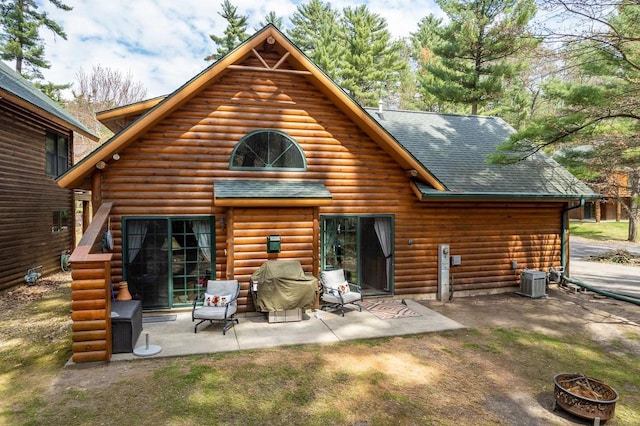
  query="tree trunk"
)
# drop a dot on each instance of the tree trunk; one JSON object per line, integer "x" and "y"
{"x": 634, "y": 205}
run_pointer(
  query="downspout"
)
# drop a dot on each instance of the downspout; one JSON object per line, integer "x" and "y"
{"x": 563, "y": 233}
{"x": 610, "y": 294}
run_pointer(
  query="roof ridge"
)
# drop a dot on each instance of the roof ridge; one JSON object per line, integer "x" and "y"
{"x": 375, "y": 109}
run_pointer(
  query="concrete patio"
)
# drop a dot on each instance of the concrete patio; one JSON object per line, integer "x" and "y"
{"x": 176, "y": 338}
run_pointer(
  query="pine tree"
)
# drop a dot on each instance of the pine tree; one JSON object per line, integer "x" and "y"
{"x": 372, "y": 63}
{"x": 234, "y": 34}
{"x": 600, "y": 102}
{"x": 20, "y": 39}
{"x": 316, "y": 32}
{"x": 475, "y": 48}
{"x": 423, "y": 42}
{"x": 271, "y": 18}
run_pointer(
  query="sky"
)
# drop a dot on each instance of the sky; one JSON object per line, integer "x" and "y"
{"x": 162, "y": 43}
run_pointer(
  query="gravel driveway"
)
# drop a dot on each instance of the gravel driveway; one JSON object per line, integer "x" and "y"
{"x": 581, "y": 248}
{"x": 606, "y": 276}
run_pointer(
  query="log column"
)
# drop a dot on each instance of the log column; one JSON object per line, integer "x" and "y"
{"x": 91, "y": 305}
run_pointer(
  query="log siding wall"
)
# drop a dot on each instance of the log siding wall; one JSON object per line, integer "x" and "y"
{"x": 28, "y": 197}
{"x": 171, "y": 169}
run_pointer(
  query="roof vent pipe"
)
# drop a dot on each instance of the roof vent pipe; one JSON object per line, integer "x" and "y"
{"x": 380, "y": 114}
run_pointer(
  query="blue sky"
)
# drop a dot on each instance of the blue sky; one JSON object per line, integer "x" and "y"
{"x": 162, "y": 43}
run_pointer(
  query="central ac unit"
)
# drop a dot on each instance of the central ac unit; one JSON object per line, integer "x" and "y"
{"x": 533, "y": 284}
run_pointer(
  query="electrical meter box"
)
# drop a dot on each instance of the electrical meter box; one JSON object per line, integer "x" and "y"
{"x": 273, "y": 244}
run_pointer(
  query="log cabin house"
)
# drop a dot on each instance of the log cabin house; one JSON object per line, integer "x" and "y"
{"x": 261, "y": 156}
{"x": 36, "y": 145}
{"x": 615, "y": 203}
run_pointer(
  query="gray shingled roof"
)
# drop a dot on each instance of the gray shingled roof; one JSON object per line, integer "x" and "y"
{"x": 13, "y": 83}
{"x": 454, "y": 147}
{"x": 267, "y": 188}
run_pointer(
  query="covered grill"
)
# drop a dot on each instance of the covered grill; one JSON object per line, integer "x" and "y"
{"x": 280, "y": 285}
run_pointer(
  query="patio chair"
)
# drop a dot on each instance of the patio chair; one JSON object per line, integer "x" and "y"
{"x": 337, "y": 291}
{"x": 219, "y": 303}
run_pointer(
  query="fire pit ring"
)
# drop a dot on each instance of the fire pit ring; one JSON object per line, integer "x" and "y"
{"x": 584, "y": 396}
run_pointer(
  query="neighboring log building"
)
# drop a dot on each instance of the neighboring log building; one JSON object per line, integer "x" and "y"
{"x": 263, "y": 144}
{"x": 36, "y": 145}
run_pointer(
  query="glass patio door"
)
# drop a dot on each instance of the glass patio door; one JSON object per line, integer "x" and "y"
{"x": 167, "y": 261}
{"x": 363, "y": 247}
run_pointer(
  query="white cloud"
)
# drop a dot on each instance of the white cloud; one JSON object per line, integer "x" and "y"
{"x": 162, "y": 43}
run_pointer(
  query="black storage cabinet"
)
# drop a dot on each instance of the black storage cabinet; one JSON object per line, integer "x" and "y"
{"x": 126, "y": 326}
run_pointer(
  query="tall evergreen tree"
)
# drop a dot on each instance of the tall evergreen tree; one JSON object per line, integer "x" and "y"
{"x": 406, "y": 95}
{"x": 271, "y": 18}
{"x": 423, "y": 42}
{"x": 234, "y": 34}
{"x": 475, "y": 49}
{"x": 372, "y": 63}
{"x": 601, "y": 107}
{"x": 20, "y": 41}
{"x": 317, "y": 33}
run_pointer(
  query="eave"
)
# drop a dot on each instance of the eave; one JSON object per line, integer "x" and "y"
{"x": 115, "y": 118}
{"x": 10, "y": 97}
{"x": 272, "y": 202}
{"x": 270, "y": 193}
{"x": 426, "y": 196}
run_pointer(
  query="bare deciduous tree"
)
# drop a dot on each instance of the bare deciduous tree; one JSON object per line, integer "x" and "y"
{"x": 101, "y": 89}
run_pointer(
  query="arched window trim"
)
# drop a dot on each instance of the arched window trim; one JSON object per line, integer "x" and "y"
{"x": 294, "y": 144}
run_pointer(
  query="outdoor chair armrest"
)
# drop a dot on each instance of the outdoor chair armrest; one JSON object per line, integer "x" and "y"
{"x": 355, "y": 286}
{"x": 198, "y": 299}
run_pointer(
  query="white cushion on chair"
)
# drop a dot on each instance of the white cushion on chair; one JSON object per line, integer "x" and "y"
{"x": 222, "y": 287}
{"x": 332, "y": 278}
{"x": 348, "y": 297}
{"x": 214, "y": 312}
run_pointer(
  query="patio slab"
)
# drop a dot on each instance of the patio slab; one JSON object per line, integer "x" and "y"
{"x": 176, "y": 338}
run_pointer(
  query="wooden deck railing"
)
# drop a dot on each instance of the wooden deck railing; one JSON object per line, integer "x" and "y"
{"x": 91, "y": 293}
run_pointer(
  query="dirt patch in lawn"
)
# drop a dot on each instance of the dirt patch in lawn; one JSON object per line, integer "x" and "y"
{"x": 565, "y": 313}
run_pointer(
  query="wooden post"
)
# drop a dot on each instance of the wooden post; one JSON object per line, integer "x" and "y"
{"x": 86, "y": 215}
{"x": 230, "y": 244}
{"x": 91, "y": 295}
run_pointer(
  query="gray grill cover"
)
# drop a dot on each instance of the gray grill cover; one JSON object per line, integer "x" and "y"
{"x": 283, "y": 285}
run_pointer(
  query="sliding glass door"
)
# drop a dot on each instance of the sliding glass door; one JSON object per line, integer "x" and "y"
{"x": 167, "y": 261}
{"x": 363, "y": 247}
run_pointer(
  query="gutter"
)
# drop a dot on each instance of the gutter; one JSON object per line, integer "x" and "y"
{"x": 563, "y": 233}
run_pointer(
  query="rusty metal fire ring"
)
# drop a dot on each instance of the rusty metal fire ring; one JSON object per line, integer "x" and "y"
{"x": 584, "y": 396}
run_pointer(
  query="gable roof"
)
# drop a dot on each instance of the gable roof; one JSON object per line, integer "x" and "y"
{"x": 294, "y": 58}
{"x": 114, "y": 118}
{"x": 19, "y": 91}
{"x": 444, "y": 152}
{"x": 454, "y": 149}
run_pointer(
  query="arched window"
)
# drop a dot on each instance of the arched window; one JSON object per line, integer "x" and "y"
{"x": 268, "y": 150}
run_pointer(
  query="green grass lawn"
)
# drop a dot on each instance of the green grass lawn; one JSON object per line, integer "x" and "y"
{"x": 440, "y": 378}
{"x": 601, "y": 231}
